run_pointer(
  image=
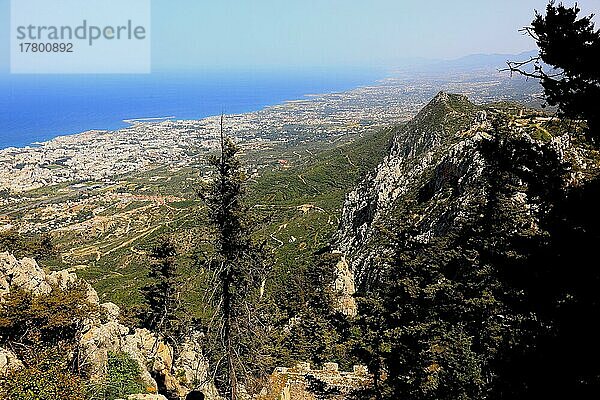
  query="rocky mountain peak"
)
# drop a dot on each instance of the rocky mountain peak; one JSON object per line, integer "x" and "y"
{"x": 448, "y": 100}
{"x": 416, "y": 148}
{"x": 435, "y": 162}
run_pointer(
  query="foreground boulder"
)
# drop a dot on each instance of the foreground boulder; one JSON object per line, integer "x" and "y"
{"x": 26, "y": 274}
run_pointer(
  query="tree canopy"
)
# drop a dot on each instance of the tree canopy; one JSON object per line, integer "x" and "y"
{"x": 567, "y": 63}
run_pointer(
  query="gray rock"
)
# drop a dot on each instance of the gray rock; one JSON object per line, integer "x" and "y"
{"x": 101, "y": 337}
{"x": 8, "y": 362}
{"x": 437, "y": 150}
{"x": 26, "y": 274}
{"x": 23, "y": 273}
{"x": 146, "y": 397}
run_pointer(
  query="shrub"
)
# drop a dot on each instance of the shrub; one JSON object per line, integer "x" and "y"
{"x": 43, "y": 331}
{"x": 48, "y": 319}
{"x": 39, "y": 246}
{"x": 36, "y": 384}
{"x": 124, "y": 377}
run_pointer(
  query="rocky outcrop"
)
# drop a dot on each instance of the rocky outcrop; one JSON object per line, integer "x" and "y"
{"x": 27, "y": 275}
{"x": 8, "y": 362}
{"x": 100, "y": 337}
{"x": 344, "y": 287}
{"x": 436, "y": 144}
{"x": 435, "y": 162}
{"x": 305, "y": 383}
{"x": 146, "y": 397}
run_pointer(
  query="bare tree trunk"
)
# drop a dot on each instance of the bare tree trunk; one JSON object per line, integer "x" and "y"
{"x": 376, "y": 379}
{"x": 227, "y": 334}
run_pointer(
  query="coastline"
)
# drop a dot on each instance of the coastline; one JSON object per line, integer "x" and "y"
{"x": 64, "y": 106}
{"x": 98, "y": 155}
{"x": 149, "y": 120}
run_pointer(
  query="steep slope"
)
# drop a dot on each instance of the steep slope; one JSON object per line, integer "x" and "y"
{"x": 424, "y": 155}
{"x": 437, "y": 174}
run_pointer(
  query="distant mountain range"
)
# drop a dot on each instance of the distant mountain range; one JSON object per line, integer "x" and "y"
{"x": 467, "y": 63}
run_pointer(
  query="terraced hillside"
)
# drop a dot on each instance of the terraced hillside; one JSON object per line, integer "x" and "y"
{"x": 104, "y": 230}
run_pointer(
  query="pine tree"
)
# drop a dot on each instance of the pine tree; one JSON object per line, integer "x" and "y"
{"x": 162, "y": 295}
{"x": 235, "y": 331}
{"x": 569, "y": 45}
{"x": 319, "y": 332}
{"x": 370, "y": 342}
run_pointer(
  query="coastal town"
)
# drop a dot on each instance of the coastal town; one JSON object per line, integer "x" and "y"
{"x": 103, "y": 155}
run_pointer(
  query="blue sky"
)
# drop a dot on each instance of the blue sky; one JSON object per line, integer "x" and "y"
{"x": 189, "y": 34}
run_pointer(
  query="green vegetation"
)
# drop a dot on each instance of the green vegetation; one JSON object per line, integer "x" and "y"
{"x": 238, "y": 269}
{"x": 498, "y": 303}
{"x": 123, "y": 377}
{"x": 481, "y": 286}
{"x": 319, "y": 332}
{"x": 39, "y": 247}
{"x": 302, "y": 206}
{"x": 163, "y": 294}
{"x": 300, "y": 201}
{"x": 475, "y": 311}
{"x": 35, "y": 384}
{"x": 48, "y": 318}
{"x": 43, "y": 332}
{"x": 568, "y": 44}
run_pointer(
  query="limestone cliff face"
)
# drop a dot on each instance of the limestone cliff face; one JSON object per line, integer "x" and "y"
{"x": 189, "y": 371}
{"x": 435, "y": 161}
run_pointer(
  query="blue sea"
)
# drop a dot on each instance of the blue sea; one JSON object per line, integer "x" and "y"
{"x": 36, "y": 108}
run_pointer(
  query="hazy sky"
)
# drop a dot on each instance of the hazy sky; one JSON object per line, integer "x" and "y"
{"x": 302, "y": 33}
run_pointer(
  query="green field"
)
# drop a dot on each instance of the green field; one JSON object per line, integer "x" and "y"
{"x": 104, "y": 230}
